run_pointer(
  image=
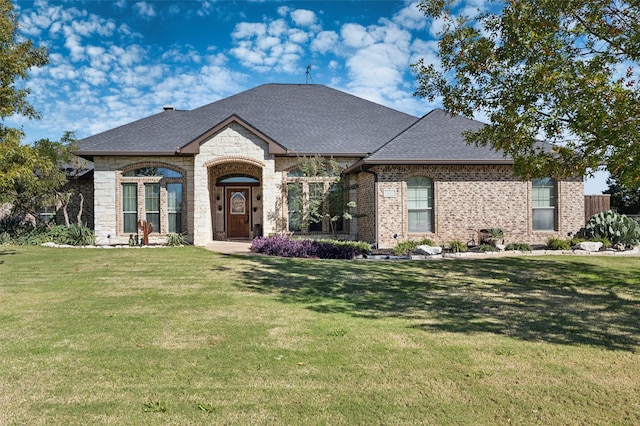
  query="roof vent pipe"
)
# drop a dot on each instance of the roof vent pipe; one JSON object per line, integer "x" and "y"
{"x": 168, "y": 108}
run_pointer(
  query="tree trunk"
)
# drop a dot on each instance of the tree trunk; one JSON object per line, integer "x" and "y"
{"x": 80, "y": 208}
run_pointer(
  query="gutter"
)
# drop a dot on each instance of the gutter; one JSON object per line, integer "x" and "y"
{"x": 375, "y": 204}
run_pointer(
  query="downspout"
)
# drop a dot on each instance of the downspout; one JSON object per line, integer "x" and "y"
{"x": 375, "y": 204}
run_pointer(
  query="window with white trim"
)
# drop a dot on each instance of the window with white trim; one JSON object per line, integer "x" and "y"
{"x": 420, "y": 204}
{"x": 543, "y": 204}
{"x": 154, "y": 194}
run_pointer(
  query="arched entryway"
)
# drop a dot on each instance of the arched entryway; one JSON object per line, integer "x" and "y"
{"x": 235, "y": 188}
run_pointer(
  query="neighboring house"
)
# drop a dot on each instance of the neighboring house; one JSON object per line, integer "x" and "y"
{"x": 228, "y": 169}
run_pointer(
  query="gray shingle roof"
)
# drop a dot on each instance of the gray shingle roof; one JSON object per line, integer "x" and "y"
{"x": 437, "y": 137}
{"x": 304, "y": 119}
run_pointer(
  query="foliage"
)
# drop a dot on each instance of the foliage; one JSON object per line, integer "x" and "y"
{"x": 484, "y": 248}
{"x": 304, "y": 248}
{"x": 317, "y": 166}
{"x": 623, "y": 199}
{"x": 19, "y": 164}
{"x": 407, "y": 247}
{"x": 81, "y": 235}
{"x": 605, "y": 241}
{"x": 457, "y": 246}
{"x": 27, "y": 234}
{"x": 175, "y": 239}
{"x": 554, "y": 243}
{"x": 560, "y": 71}
{"x": 617, "y": 228}
{"x": 518, "y": 247}
{"x": 332, "y": 205}
{"x": 17, "y": 57}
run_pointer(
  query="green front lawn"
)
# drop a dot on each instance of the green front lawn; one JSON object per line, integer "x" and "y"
{"x": 187, "y": 336}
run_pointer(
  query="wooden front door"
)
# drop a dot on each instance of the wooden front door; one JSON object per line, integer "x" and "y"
{"x": 238, "y": 219}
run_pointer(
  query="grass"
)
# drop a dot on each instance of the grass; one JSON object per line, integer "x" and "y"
{"x": 186, "y": 336}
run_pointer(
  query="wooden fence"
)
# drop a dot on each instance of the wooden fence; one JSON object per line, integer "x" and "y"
{"x": 594, "y": 204}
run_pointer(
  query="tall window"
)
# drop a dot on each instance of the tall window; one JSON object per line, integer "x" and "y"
{"x": 544, "y": 204}
{"x": 153, "y": 194}
{"x": 152, "y": 204}
{"x": 294, "y": 206}
{"x": 420, "y": 204}
{"x": 316, "y": 196}
{"x": 174, "y": 206}
{"x": 130, "y": 207}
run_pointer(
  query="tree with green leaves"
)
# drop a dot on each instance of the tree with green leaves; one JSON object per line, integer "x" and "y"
{"x": 623, "y": 199}
{"x": 307, "y": 208}
{"x": 563, "y": 72}
{"x": 23, "y": 168}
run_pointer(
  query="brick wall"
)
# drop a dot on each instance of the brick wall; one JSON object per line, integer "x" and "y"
{"x": 467, "y": 198}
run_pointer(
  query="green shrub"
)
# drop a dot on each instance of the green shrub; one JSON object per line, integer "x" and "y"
{"x": 554, "y": 243}
{"x": 518, "y": 247}
{"x": 457, "y": 246}
{"x": 81, "y": 235}
{"x": 617, "y": 228}
{"x": 175, "y": 239}
{"x": 605, "y": 242}
{"x": 409, "y": 246}
{"x": 483, "y": 248}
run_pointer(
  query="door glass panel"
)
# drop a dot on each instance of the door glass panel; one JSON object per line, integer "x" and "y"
{"x": 238, "y": 203}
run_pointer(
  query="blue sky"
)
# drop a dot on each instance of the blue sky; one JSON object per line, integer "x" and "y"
{"x": 112, "y": 62}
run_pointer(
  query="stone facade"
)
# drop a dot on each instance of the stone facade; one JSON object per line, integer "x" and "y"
{"x": 467, "y": 198}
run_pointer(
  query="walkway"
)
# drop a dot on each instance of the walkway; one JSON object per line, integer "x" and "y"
{"x": 229, "y": 247}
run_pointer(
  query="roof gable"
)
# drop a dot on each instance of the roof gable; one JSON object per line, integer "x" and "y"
{"x": 302, "y": 119}
{"x": 438, "y": 137}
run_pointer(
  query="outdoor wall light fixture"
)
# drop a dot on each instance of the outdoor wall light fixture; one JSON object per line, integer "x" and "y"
{"x": 258, "y": 197}
{"x": 217, "y": 197}
{"x": 219, "y": 208}
{"x": 255, "y": 209}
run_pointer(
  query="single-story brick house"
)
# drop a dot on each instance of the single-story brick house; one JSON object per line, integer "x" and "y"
{"x": 224, "y": 171}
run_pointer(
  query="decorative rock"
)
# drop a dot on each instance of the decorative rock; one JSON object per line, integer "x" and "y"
{"x": 425, "y": 249}
{"x": 501, "y": 247}
{"x": 590, "y": 245}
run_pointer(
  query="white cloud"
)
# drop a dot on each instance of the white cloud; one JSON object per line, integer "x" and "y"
{"x": 325, "y": 41}
{"x": 303, "y": 18}
{"x": 355, "y": 35}
{"x": 411, "y": 17}
{"x": 145, "y": 9}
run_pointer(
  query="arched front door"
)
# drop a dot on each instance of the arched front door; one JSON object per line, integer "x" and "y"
{"x": 238, "y": 212}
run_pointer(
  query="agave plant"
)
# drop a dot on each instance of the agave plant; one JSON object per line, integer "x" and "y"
{"x": 617, "y": 228}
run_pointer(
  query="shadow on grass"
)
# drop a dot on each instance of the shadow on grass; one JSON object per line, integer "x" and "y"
{"x": 558, "y": 300}
{"x": 5, "y": 251}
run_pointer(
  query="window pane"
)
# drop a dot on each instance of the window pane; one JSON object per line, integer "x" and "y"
{"x": 316, "y": 194}
{"x": 175, "y": 222}
{"x": 336, "y": 205}
{"x": 543, "y": 203}
{"x": 544, "y": 219}
{"x": 153, "y": 171}
{"x": 130, "y": 207}
{"x": 420, "y": 204}
{"x": 174, "y": 197}
{"x": 294, "y": 206}
{"x": 420, "y": 220}
{"x": 152, "y": 205}
{"x": 174, "y": 207}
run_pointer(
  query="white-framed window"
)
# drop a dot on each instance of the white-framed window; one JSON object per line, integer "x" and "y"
{"x": 130, "y": 208}
{"x": 543, "y": 203}
{"x": 154, "y": 194}
{"x": 174, "y": 207}
{"x": 420, "y": 204}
